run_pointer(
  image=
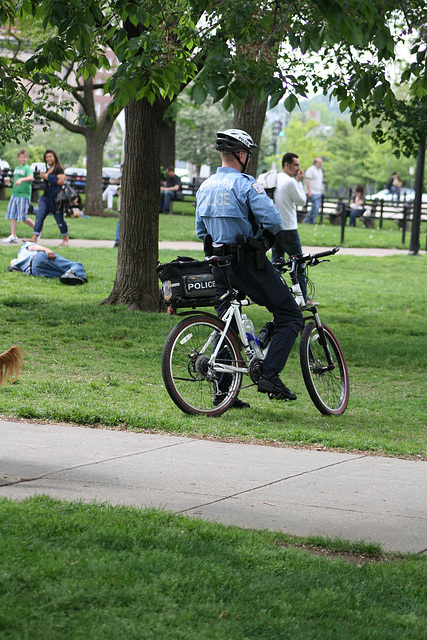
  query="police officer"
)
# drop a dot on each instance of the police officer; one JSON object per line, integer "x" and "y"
{"x": 234, "y": 210}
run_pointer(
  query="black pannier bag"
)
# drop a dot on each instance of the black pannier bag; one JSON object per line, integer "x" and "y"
{"x": 187, "y": 283}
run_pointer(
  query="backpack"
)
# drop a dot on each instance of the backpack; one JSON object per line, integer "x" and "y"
{"x": 65, "y": 195}
{"x": 269, "y": 181}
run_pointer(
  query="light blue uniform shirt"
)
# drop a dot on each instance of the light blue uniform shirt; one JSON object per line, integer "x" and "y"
{"x": 223, "y": 205}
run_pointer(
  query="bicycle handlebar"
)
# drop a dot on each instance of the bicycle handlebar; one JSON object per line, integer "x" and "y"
{"x": 312, "y": 259}
{"x": 323, "y": 254}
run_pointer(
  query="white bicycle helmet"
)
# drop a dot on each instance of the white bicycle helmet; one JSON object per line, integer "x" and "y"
{"x": 234, "y": 140}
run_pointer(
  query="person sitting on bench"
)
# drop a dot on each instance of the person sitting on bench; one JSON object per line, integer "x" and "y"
{"x": 357, "y": 205}
{"x": 170, "y": 190}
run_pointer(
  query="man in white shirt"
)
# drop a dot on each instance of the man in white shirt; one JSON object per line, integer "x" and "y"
{"x": 314, "y": 186}
{"x": 288, "y": 194}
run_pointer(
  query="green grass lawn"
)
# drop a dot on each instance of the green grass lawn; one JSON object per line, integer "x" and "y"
{"x": 72, "y": 570}
{"x": 180, "y": 227}
{"x": 100, "y": 365}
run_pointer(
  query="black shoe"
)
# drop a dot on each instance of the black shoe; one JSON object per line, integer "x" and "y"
{"x": 275, "y": 388}
{"x": 238, "y": 404}
{"x": 70, "y": 278}
{"x": 116, "y": 244}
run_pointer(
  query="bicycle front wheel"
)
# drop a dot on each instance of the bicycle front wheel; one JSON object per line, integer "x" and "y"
{"x": 327, "y": 385}
{"x": 196, "y": 386}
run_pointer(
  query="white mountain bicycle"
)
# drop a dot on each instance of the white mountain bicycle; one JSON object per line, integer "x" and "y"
{"x": 204, "y": 360}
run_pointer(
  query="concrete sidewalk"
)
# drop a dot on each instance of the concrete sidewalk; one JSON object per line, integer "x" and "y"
{"x": 297, "y": 491}
{"x": 197, "y": 246}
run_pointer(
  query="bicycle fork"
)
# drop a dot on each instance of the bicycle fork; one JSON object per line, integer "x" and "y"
{"x": 323, "y": 341}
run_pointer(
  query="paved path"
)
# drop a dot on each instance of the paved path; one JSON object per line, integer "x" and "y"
{"x": 301, "y": 492}
{"x": 197, "y": 246}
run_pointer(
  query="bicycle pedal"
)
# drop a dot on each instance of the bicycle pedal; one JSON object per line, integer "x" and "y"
{"x": 278, "y": 396}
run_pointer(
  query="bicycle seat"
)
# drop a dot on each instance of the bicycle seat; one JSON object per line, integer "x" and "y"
{"x": 220, "y": 261}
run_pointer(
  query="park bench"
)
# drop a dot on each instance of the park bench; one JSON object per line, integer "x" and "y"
{"x": 330, "y": 208}
{"x": 400, "y": 213}
{"x": 6, "y": 180}
{"x": 189, "y": 190}
{"x": 375, "y": 212}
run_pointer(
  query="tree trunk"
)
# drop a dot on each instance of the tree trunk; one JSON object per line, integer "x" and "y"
{"x": 250, "y": 117}
{"x": 95, "y": 151}
{"x": 96, "y": 135}
{"x": 136, "y": 284}
{"x": 167, "y": 143}
{"x": 96, "y": 138}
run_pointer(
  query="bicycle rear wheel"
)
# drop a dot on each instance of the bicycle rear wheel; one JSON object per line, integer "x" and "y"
{"x": 196, "y": 387}
{"x": 327, "y": 386}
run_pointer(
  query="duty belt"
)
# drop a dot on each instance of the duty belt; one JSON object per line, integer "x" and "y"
{"x": 225, "y": 250}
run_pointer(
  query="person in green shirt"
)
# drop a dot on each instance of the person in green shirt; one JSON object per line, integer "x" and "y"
{"x": 20, "y": 199}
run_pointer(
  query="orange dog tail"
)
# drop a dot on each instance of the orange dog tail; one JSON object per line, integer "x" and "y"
{"x": 11, "y": 362}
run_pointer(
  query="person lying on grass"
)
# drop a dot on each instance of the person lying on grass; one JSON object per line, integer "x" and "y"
{"x": 36, "y": 260}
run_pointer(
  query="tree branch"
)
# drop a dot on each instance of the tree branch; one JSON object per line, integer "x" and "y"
{"x": 71, "y": 126}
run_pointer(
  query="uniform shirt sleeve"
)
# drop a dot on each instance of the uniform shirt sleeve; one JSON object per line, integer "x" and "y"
{"x": 224, "y": 205}
{"x": 200, "y": 226}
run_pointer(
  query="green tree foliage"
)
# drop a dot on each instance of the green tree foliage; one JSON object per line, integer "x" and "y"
{"x": 25, "y": 97}
{"x": 400, "y": 116}
{"x": 346, "y": 151}
{"x": 72, "y": 105}
{"x": 196, "y": 129}
{"x": 71, "y": 148}
{"x": 221, "y": 45}
{"x": 304, "y": 138}
{"x": 381, "y": 160}
{"x": 351, "y": 156}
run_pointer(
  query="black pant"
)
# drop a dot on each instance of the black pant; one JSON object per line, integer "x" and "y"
{"x": 288, "y": 241}
{"x": 268, "y": 289}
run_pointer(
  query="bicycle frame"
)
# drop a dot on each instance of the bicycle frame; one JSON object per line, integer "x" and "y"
{"x": 205, "y": 357}
{"x": 232, "y": 312}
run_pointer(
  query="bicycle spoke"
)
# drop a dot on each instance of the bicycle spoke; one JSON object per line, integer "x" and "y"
{"x": 327, "y": 384}
{"x": 195, "y": 385}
